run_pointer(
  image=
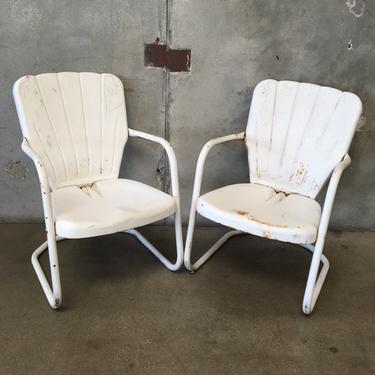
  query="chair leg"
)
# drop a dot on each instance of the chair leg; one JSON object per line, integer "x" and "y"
{"x": 179, "y": 245}
{"x": 53, "y": 294}
{"x": 314, "y": 282}
{"x": 192, "y": 267}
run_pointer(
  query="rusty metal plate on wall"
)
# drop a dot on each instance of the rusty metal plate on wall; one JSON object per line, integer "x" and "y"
{"x": 158, "y": 55}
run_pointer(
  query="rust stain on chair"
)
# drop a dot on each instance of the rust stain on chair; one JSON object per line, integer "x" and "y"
{"x": 253, "y": 218}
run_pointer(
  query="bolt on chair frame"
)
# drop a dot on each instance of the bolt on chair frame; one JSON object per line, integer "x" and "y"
{"x": 53, "y": 292}
{"x": 315, "y": 278}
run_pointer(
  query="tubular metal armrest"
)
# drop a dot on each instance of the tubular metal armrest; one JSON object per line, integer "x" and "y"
{"x": 196, "y": 192}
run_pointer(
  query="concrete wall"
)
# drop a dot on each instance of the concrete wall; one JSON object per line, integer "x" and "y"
{"x": 235, "y": 44}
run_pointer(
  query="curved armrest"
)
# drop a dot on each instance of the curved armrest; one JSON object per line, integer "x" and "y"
{"x": 171, "y": 156}
{"x": 330, "y": 197}
{"x": 202, "y": 159}
{"x": 44, "y": 184}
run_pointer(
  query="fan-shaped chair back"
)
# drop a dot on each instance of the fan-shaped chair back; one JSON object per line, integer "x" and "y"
{"x": 75, "y": 122}
{"x": 297, "y": 133}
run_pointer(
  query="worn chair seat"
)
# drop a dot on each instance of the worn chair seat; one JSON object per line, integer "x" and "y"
{"x": 108, "y": 206}
{"x": 260, "y": 210}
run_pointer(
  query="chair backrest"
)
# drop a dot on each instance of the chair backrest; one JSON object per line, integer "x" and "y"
{"x": 297, "y": 133}
{"x": 75, "y": 122}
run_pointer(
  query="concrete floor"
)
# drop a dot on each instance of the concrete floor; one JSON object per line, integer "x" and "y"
{"x": 123, "y": 312}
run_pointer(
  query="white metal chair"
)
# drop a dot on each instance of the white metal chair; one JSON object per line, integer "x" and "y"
{"x": 75, "y": 130}
{"x": 297, "y": 135}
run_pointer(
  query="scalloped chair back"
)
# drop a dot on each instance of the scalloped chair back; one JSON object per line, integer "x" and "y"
{"x": 75, "y": 122}
{"x": 298, "y": 133}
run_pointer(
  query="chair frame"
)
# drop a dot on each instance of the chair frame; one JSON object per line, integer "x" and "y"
{"x": 315, "y": 278}
{"x": 53, "y": 292}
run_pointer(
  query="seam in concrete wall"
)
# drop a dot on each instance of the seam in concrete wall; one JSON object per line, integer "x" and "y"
{"x": 164, "y": 167}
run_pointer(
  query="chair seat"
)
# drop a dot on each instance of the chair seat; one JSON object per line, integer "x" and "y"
{"x": 108, "y": 206}
{"x": 260, "y": 210}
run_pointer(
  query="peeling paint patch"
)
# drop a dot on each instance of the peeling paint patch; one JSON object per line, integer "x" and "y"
{"x": 299, "y": 176}
{"x": 16, "y": 169}
{"x": 161, "y": 173}
{"x": 266, "y": 234}
{"x": 258, "y": 173}
{"x": 242, "y": 213}
{"x": 255, "y": 219}
{"x": 352, "y": 6}
{"x": 87, "y": 186}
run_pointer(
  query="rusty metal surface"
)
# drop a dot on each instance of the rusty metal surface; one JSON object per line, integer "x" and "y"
{"x": 159, "y": 55}
{"x": 178, "y": 60}
{"x": 155, "y": 55}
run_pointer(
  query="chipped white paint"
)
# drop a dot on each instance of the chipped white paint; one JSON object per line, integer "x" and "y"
{"x": 75, "y": 129}
{"x": 352, "y": 4}
{"x": 261, "y": 211}
{"x": 75, "y": 122}
{"x": 298, "y": 135}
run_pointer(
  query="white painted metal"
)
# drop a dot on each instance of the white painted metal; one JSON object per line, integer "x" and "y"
{"x": 79, "y": 211}
{"x": 262, "y": 211}
{"x": 175, "y": 193}
{"x": 75, "y": 122}
{"x": 297, "y": 135}
{"x": 53, "y": 294}
{"x": 193, "y": 209}
{"x": 315, "y": 283}
{"x": 75, "y": 130}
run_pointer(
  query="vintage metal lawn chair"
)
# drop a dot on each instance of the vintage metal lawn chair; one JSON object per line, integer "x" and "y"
{"x": 75, "y": 129}
{"x": 297, "y": 136}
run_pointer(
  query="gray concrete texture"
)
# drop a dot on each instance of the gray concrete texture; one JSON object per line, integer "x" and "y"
{"x": 124, "y": 313}
{"x": 234, "y": 43}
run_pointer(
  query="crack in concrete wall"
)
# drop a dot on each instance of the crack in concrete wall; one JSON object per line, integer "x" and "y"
{"x": 165, "y": 174}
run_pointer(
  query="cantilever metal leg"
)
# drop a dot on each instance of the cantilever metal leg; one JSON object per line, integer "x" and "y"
{"x": 53, "y": 294}
{"x": 314, "y": 282}
{"x": 179, "y": 245}
{"x": 192, "y": 267}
